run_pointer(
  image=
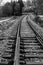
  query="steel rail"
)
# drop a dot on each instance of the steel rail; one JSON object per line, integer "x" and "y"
{"x": 12, "y": 38}
{"x": 16, "y": 58}
{"x": 38, "y": 36}
{"x": 17, "y": 49}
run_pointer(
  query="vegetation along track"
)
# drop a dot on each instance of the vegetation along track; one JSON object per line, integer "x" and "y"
{"x": 29, "y": 50}
{"x": 8, "y": 43}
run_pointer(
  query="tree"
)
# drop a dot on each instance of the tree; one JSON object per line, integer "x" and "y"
{"x": 1, "y": 12}
{"x": 40, "y": 6}
{"x": 28, "y": 3}
{"x": 13, "y": 5}
{"x": 7, "y": 9}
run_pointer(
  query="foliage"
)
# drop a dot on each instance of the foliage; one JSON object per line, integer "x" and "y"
{"x": 7, "y": 9}
{"x": 1, "y": 12}
{"x": 40, "y": 6}
{"x": 13, "y": 5}
{"x": 28, "y": 3}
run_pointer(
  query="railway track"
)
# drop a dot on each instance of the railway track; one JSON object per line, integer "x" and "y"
{"x": 8, "y": 43}
{"x": 22, "y": 46}
{"x": 29, "y": 50}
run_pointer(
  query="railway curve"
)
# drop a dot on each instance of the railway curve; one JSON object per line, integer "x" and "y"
{"x": 23, "y": 45}
{"x": 30, "y": 49}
